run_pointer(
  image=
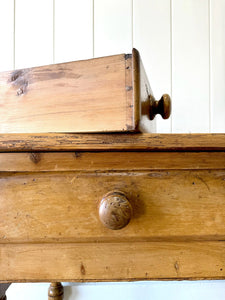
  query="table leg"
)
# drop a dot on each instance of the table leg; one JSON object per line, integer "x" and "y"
{"x": 55, "y": 291}
{"x": 3, "y": 288}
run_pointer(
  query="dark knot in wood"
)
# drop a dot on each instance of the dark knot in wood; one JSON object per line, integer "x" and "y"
{"x": 35, "y": 157}
{"x": 19, "y": 79}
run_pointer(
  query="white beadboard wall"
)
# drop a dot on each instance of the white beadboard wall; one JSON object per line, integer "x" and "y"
{"x": 182, "y": 44}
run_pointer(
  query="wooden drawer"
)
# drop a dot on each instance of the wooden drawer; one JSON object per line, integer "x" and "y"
{"x": 47, "y": 205}
{"x": 50, "y": 227}
{"x": 107, "y": 94}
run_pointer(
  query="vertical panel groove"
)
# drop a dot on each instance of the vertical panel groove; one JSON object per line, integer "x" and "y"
{"x": 217, "y": 65}
{"x": 132, "y": 23}
{"x": 93, "y": 27}
{"x": 14, "y": 35}
{"x": 210, "y": 100}
{"x": 73, "y": 30}
{"x": 190, "y": 38}
{"x": 53, "y": 39}
{"x": 33, "y": 36}
{"x": 171, "y": 62}
{"x": 7, "y": 28}
{"x": 152, "y": 37}
{"x": 112, "y": 27}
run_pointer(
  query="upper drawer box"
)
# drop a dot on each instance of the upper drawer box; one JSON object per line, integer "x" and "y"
{"x": 96, "y": 95}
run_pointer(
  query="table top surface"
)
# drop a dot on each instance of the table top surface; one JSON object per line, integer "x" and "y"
{"x": 111, "y": 142}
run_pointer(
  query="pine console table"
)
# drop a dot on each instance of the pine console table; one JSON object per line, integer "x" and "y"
{"x": 111, "y": 207}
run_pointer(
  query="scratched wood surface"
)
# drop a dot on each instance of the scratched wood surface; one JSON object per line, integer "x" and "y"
{"x": 63, "y": 206}
{"x": 113, "y": 261}
{"x": 82, "y": 96}
{"x": 93, "y": 142}
{"x": 177, "y": 195}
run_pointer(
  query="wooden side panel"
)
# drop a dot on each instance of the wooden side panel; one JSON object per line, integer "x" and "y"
{"x": 7, "y": 35}
{"x": 73, "y": 37}
{"x": 142, "y": 91}
{"x": 63, "y": 206}
{"x": 82, "y": 96}
{"x": 190, "y": 66}
{"x": 112, "y": 27}
{"x": 217, "y": 69}
{"x": 112, "y": 261}
{"x": 34, "y": 33}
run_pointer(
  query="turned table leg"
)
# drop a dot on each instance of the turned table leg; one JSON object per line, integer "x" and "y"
{"x": 3, "y": 288}
{"x": 55, "y": 291}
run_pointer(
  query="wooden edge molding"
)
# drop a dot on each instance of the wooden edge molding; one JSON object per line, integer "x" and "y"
{"x": 111, "y": 142}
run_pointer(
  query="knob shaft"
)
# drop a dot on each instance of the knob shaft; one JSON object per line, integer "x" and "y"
{"x": 115, "y": 210}
{"x": 162, "y": 107}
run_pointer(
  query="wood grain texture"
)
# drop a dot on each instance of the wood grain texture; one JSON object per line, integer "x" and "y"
{"x": 101, "y": 142}
{"x": 63, "y": 206}
{"x": 109, "y": 161}
{"x": 113, "y": 261}
{"x": 82, "y": 96}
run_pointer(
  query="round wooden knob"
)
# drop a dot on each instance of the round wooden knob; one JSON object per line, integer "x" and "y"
{"x": 115, "y": 210}
{"x": 162, "y": 107}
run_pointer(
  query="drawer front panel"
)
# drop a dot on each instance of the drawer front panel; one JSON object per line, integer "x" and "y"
{"x": 112, "y": 261}
{"x": 173, "y": 205}
{"x": 110, "y": 161}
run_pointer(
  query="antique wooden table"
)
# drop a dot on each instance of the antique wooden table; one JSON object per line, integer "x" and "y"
{"x": 111, "y": 207}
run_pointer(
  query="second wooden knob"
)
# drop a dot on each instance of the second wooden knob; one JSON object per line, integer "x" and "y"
{"x": 115, "y": 210}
